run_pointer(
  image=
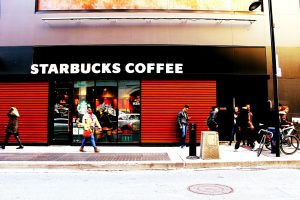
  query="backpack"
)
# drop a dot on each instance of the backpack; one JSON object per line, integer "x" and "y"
{"x": 208, "y": 121}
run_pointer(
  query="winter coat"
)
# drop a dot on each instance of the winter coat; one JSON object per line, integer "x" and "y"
{"x": 12, "y": 126}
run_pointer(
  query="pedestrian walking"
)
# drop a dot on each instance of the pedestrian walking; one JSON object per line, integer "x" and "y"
{"x": 90, "y": 123}
{"x": 212, "y": 121}
{"x": 13, "y": 127}
{"x": 246, "y": 128}
{"x": 236, "y": 126}
{"x": 182, "y": 121}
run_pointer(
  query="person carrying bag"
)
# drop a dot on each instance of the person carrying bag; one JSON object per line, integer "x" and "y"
{"x": 87, "y": 131}
{"x": 13, "y": 127}
{"x": 90, "y": 122}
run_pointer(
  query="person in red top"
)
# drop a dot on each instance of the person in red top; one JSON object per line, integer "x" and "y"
{"x": 284, "y": 121}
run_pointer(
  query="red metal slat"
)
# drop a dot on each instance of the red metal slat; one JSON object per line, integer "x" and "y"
{"x": 31, "y": 99}
{"x": 162, "y": 100}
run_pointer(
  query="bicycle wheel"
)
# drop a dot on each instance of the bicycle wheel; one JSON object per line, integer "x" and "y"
{"x": 297, "y": 135}
{"x": 261, "y": 145}
{"x": 268, "y": 142}
{"x": 289, "y": 144}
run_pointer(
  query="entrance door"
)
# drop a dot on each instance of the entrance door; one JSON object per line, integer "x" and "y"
{"x": 61, "y": 116}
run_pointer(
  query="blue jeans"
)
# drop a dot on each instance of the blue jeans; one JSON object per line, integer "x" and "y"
{"x": 183, "y": 134}
{"x": 92, "y": 139}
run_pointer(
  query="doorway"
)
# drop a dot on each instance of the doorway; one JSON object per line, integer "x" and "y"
{"x": 62, "y": 121}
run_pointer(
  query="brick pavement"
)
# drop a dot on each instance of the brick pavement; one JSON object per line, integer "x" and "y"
{"x": 84, "y": 157}
{"x": 136, "y": 158}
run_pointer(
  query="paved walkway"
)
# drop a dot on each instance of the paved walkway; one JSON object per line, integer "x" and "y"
{"x": 133, "y": 158}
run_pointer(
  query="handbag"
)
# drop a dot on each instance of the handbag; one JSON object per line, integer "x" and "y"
{"x": 86, "y": 133}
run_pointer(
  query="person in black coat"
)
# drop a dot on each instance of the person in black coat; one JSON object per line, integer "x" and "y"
{"x": 212, "y": 121}
{"x": 182, "y": 122}
{"x": 12, "y": 127}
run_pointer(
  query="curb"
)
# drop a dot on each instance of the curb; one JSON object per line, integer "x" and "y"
{"x": 91, "y": 166}
{"x": 246, "y": 164}
{"x": 125, "y": 166}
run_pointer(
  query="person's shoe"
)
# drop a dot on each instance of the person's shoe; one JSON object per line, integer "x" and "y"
{"x": 96, "y": 150}
{"x": 81, "y": 149}
{"x": 20, "y": 147}
{"x": 229, "y": 143}
{"x": 3, "y": 147}
{"x": 235, "y": 150}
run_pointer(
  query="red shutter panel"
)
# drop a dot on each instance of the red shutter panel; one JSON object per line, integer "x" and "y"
{"x": 31, "y": 100}
{"x": 162, "y": 100}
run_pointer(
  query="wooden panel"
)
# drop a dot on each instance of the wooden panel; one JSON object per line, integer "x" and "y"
{"x": 31, "y": 99}
{"x": 162, "y": 100}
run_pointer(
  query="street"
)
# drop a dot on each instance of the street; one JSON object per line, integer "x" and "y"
{"x": 226, "y": 183}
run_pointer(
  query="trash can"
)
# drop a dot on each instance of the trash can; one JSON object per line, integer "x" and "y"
{"x": 193, "y": 144}
{"x": 209, "y": 148}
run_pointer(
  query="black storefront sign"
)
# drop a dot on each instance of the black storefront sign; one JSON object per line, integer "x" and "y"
{"x": 240, "y": 72}
{"x": 132, "y": 61}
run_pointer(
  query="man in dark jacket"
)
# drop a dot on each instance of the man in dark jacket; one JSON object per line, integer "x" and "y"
{"x": 182, "y": 121}
{"x": 212, "y": 121}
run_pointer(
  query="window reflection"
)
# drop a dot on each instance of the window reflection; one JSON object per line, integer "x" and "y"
{"x": 83, "y": 98}
{"x": 129, "y": 111}
{"x": 117, "y": 105}
{"x": 106, "y": 105}
{"x": 61, "y": 116}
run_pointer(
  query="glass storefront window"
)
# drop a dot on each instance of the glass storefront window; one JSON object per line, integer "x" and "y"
{"x": 115, "y": 103}
{"x": 83, "y": 98}
{"x": 62, "y": 101}
{"x": 106, "y": 94}
{"x": 129, "y": 111}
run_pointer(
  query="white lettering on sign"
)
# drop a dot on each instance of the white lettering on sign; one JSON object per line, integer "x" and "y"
{"x": 151, "y": 68}
{"x": 107, "y": 68}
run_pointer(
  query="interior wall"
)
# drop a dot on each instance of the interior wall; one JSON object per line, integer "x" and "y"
{"x": 288, "y": 83}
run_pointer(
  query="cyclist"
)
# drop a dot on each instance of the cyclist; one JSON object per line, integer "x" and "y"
{"x": 283, "y": 116}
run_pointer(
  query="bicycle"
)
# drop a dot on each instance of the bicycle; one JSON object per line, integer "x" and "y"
{"x": 290, "y": 130}
{"x": 288, "y": 144}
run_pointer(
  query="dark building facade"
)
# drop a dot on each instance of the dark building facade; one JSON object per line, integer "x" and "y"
{"x": 135, "y": 90}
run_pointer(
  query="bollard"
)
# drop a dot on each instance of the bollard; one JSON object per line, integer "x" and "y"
{"x": 193, "y": 144}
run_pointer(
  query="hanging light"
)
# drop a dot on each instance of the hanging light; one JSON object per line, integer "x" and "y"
{"x": 255, "y": 5}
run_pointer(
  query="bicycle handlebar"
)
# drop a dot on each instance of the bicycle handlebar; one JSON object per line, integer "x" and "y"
{"x": 288, "y": 127}
{"x": 265, "y": 132}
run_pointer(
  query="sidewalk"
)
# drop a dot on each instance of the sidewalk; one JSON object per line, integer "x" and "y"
{"x": 136, "y": 158}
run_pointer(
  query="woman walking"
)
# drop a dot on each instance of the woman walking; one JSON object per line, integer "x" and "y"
{"x": 12, "y": 127}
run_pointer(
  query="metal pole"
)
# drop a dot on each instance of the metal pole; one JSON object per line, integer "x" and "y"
{"x": 275, "y": 79}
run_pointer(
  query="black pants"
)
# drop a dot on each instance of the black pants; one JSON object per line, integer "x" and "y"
{"x": 183, "y": 133}
{"x": 234, "y": 131}
{"x": 245, "y": 133}
{"x": 16, "y": 135}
